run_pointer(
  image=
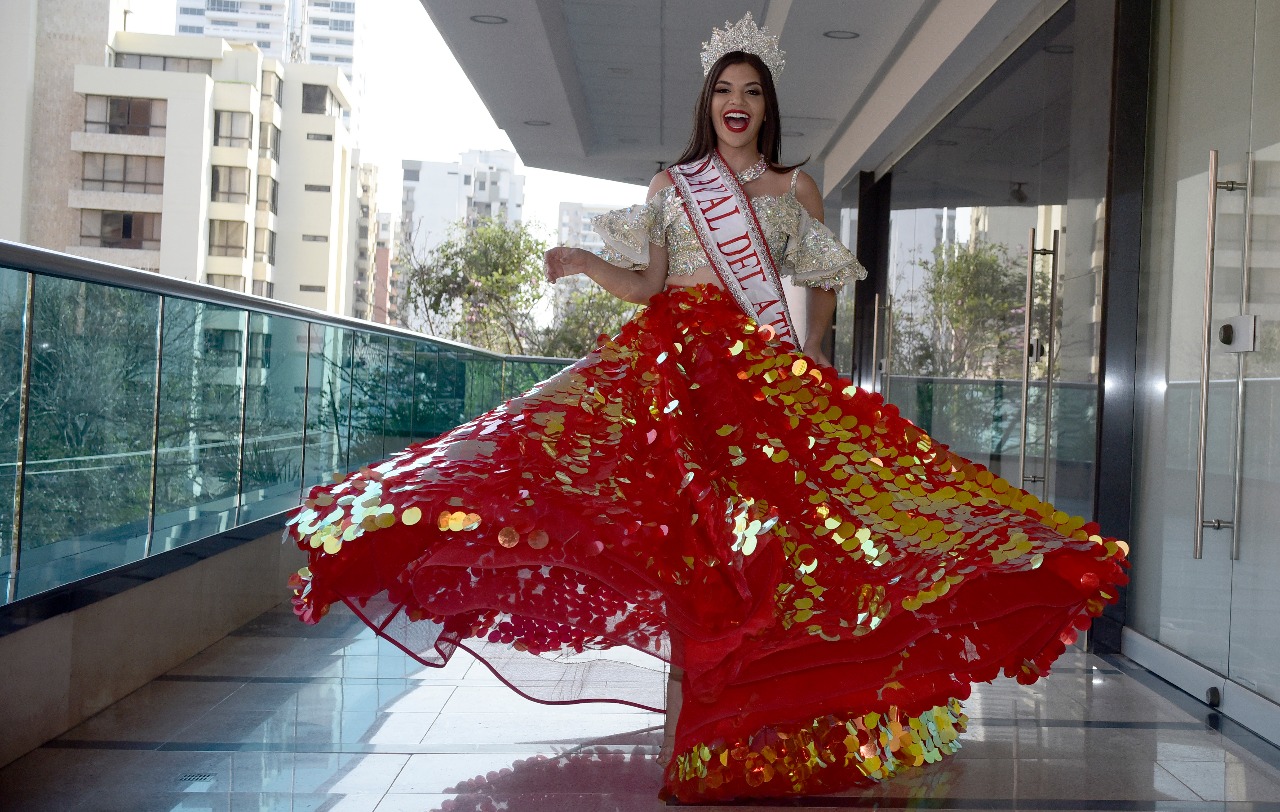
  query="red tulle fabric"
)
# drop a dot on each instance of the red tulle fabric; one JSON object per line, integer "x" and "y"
{"x": 830, "y": 579}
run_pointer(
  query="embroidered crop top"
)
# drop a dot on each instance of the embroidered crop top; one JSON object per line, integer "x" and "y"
{"x": 801, "y": 247}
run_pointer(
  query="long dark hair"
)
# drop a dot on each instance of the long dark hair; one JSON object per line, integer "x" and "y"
{"x": 768, "y": 141}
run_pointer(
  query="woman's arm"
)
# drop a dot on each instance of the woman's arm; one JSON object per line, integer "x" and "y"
{"x": 821, "y": 305}
{"x": 636, "y": 286}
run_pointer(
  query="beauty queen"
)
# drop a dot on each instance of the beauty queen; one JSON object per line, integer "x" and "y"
{"x": 823, "y": 579}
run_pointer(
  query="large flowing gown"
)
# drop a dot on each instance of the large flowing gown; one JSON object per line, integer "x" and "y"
{"x": 830, "y": 579}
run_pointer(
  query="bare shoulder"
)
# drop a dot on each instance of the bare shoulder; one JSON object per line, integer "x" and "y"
{"x": 809, "y": 195}
{"x": 660, "y": 181}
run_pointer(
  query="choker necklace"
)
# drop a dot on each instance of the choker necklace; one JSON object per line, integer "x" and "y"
{"x": 752, "y": 172}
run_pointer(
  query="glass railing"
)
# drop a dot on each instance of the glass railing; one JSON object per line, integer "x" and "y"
{"x": 139, "y": 413}
{"x": 981, "y": 420}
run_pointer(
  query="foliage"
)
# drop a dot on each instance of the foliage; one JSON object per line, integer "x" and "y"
{"x": 480, "y": 286}
{"x": 484, "y": 284}
{"x": 965, "y": 321}
{"x": 586, "y": 312}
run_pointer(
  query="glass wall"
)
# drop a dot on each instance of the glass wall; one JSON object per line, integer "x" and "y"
{"x": 989, "y": 337}
{"x": 1208, "y": 430}
{"x": 154, "y": 420}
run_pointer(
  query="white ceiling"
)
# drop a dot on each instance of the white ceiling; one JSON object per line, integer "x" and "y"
{"x": 616, "y": 80}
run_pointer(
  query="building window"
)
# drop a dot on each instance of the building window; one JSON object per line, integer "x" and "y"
{"x": 318, "y": 99}
{"x": 342, "y": 7}
{"x": 176, "y": 64}
{"x": 271, "y": 86}
{"x": 264, "y": 26}
{"x": 320, "y": 40}
{"x": 230, "y": 23}
{"x": 466, "y": 180}
{"x": 342, "y": 59}
{"x": 342, "y": 25}
{"x": 342, "y": 41}
{"x": 320, "y": 22}
{"x": 264, "y": 7}
{"x": 197, "y": 12}
{"x": 232, "y": 129}
{"x": 311, "y": 288}
{"x": 138, "y": 174}
{"x": 230, "y": 184}
{"x": 480, "y": 186}
{"x": 264, "y": 246}
{"x": 267, "y": 290}
{"x": 315, "y": 238}
{"x": 232, "y": 6}
{"x": 191, "y": 29}
{"x": 229, "y": 282}
{"x": 227, "y": 238}
{"x": 264, "y": 45}
{"x": 316, "y": 187}
{"x": 412, "y": 175}
{"x": 269, "y": 141}
{"x": 268, "y": 194}
{"x": 120, "y": 229}
{"x": 124, "y": 116}
{"x": 318, "y": 58}
{"x": 319, "y": 137}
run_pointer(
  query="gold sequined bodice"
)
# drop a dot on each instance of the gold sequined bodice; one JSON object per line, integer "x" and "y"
{"x": 801, "y": 247}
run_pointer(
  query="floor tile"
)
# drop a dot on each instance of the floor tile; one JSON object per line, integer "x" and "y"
{"x": 283, "y": 716}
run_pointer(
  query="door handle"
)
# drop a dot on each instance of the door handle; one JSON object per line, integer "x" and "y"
{"x": 1206, "y": 337}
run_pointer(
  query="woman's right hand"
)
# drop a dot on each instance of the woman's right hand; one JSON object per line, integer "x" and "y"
{"x": 563, "y": 261}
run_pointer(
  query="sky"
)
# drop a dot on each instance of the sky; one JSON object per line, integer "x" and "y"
{"x": 419, "y": 105}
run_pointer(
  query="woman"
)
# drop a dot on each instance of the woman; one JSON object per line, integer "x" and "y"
{"x": 827, "y": 580}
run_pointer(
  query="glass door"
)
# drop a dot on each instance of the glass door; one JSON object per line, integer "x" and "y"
{"x": 990, "y": 332}
{"x": 1205, "y": 551}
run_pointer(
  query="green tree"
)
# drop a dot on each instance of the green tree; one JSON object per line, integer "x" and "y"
{"x": 484, "y": 284}
{"x": 965, "y": 321}
{"x": 480, "y": 286}
{"x": 584, "y": 314}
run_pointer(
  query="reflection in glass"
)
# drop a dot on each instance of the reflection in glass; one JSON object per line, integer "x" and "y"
{"x": 198, "y": 462}
{"x": 397, "y": 427}
{"x": 328, "y": 410}
{"x": 996, "y": 265}
{"x": 87, "y": 489}
{"x": 367, "y": 398}
{"x": 484, "y": 384}
{"x": 276, "y": 377}
{"x": 13, "y": 294}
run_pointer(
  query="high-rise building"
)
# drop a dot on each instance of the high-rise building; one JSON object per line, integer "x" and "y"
{"x": 386, "y": 293}
{"x": 364, "y": 189}
{"x": 480, "y": 184}
{"x": 319, "y": 31}
{"x": 267, "y": 24}
{"x": 164, "y": 155}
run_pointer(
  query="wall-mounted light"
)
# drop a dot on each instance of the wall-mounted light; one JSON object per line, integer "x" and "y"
{"x": 534, "y": 122}
{"x": 839, "y": 34}
{"x": 488, "y": 19}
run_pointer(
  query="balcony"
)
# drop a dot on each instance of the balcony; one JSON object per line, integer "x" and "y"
{"x": 151, "y": 424}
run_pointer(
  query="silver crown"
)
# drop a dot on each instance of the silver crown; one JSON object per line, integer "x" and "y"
{"x": 743, "y": 35}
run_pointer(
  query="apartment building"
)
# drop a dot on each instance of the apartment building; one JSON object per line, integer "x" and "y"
{"x": 481, "y": 183}
{"x": 268, "y": 24}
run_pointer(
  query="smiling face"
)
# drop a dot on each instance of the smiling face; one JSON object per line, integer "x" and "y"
{"x": 737, "y": 106}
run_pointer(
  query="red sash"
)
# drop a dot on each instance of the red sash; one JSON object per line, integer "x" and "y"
{"x": 726, "y": 226}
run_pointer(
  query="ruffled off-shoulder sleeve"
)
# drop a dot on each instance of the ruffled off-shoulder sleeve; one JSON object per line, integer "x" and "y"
{"x": 628, "y": 232}
{"x": 815, "y": 258}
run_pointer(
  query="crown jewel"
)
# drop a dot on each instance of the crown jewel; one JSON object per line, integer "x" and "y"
{"x": 743, "y": 35}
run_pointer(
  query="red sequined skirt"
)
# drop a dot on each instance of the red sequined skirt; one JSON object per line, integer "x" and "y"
{"x": 830, "y": 579}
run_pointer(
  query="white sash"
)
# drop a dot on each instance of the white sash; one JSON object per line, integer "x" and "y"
{"x": 726, "y": 226}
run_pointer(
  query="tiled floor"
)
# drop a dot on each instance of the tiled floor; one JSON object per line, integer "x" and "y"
{"x": 281, "y": 716}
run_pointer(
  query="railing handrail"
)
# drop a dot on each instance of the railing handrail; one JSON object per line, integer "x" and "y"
{"x": 31, "y": 259}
